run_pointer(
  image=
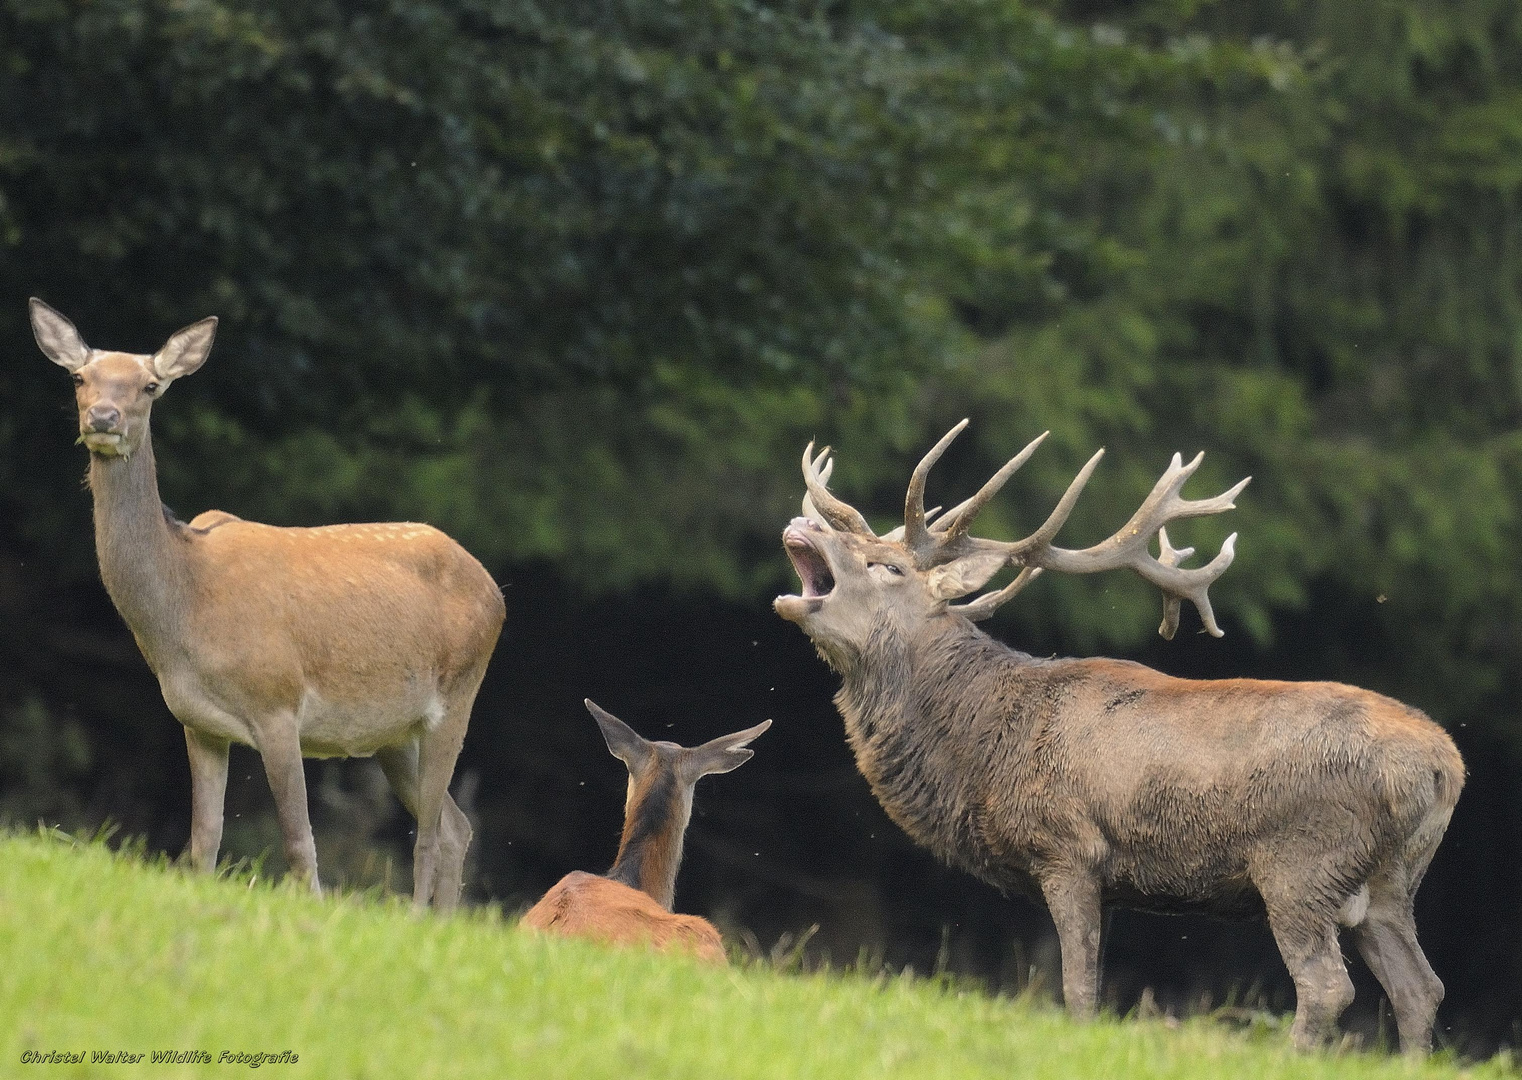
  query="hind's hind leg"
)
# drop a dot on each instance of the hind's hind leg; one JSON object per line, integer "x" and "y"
{"x": 400, "y": 764}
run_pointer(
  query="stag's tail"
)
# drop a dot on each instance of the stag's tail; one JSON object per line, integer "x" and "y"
{"x": 1423, "y": 786}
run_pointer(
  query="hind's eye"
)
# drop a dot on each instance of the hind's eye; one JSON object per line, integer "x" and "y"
{"x": 79, "y": 380}
{"x": 152, "y": 388}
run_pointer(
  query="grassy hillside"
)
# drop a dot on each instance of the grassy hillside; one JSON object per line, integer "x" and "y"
{"x": 100, "y": 951}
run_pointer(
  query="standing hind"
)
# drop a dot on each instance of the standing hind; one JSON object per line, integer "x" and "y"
{"x": 344, "y": 640}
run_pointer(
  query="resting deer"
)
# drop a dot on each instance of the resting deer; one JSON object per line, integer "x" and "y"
{"x": 345, "y": 640}
{"x": 632, "y": 904}
{"x": 1085, "y": 782}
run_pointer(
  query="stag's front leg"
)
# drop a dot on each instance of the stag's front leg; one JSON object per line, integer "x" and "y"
{"x": 280, "y": 747}
{"x": 208, "y": 791}
{"x": 1072, "y": 896}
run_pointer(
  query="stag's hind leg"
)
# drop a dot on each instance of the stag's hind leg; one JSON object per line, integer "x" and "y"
{"x": 400, "y": 764}
{"x": 1387, "y": 941}
{"x": 1306, "y": 933}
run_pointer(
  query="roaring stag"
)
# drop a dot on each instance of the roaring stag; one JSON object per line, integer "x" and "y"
{"x": 345, "y": 640}
{"x": 1092, "y": 781}
{"x": 632, "y": 904}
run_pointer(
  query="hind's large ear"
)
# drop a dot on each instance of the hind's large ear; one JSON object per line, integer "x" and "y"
{"x": 186, "y": 350}
{"x": 623, "y": 741}
{"x": 724, "y": 754}
{"x": 57, "y": 338}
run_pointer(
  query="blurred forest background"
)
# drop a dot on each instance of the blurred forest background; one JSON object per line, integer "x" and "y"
{"x": 576, "y": 281}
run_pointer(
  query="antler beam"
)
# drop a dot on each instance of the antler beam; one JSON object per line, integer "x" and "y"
{"x": 1129, "y": 547}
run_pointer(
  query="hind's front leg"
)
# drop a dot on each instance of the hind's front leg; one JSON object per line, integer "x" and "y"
{"x": 279, "y": 744}
{"x": 208, "y": 789}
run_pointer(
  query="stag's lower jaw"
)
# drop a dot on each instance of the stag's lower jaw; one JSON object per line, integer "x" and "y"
{"x": 797, "y": 608}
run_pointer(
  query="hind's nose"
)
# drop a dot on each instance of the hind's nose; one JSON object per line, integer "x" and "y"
{"x": 103, "y": 417}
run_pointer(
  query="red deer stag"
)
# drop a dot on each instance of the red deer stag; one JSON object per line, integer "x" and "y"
{"x": 1092, "y": 781}
{"x": 345, "y": 640}
{"x": 632, "y": 904}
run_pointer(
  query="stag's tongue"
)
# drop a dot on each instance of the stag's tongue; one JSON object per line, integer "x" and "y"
{"x": 813, "y": 572}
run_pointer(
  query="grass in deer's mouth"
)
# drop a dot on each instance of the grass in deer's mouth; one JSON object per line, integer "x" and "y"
{"x": 107, "y": 952}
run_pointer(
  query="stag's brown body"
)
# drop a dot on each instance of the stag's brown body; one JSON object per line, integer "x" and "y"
{"x": 632, "y": 904}
{"x": 1178, "y": 794}
{"x": 1090, "y": 781}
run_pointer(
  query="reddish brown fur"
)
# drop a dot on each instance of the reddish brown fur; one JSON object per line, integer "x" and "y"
{"x": 588, "y": 906}
{"x": 632, "y": 904}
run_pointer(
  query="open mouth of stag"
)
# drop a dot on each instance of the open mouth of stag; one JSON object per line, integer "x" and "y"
{"x": 813, "y": 572}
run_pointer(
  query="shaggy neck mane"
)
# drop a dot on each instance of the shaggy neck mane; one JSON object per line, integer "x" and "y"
{"x": 925, "y": 716}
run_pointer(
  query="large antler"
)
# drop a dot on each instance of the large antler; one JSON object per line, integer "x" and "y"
{"x": 948, "y": 540}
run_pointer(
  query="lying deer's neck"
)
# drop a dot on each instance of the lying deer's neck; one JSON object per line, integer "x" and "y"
{"x": 650, "y": 850}
{"x": 142, "y": 557}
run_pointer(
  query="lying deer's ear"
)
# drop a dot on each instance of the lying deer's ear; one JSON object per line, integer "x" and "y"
{"x": 724, "y": 754}
{"x": 966, "y": 574}
{"x": 186, "y": 350}
{"x": 57, "y": 338}
{"x": 623, "y": 741}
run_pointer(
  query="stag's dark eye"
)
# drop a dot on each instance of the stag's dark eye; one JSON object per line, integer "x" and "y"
{"x": 894, "y": 570}
{"x": 152, "y": 388}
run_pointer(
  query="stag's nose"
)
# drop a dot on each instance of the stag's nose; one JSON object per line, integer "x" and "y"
{"x": 805, "y": 523}
{"x": 103, "y": 417}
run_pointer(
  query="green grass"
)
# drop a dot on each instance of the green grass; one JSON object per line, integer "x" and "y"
{"x": 106, "y": 951}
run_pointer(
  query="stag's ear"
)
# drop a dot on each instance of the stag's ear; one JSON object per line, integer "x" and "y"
{"x": 966, "y": 574}
{"x": 623, "y": 741}
{"x": 57, "y": 338}
{"x": 186, "y": 350}
{"x": 721, "y": 755}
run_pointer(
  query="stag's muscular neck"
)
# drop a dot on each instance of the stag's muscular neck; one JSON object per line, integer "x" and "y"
{"x": 142, "y": 557}
{"x": 650, "y": 850}
{"x": 931, "y": 720}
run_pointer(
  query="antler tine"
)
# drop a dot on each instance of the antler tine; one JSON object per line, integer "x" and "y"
{"x": 837, "y": 514}
{"x": 1192, "y": 585}
{"x": 1129, "y": 546}
{"x": 1042, "y": 537}
{"x": 897, "y": 532}
{"x": 959, "y": 520}
{"x": 990, "y": 602}
{"x": 916, "y": 535}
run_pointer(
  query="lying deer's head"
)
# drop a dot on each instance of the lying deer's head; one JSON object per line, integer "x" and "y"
{"x": 115, "y": 390}
{"x": 652, "y": 763}
{"x": 856, "y": 583}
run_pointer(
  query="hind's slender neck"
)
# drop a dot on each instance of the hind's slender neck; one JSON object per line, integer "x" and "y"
{"x": 142, "y": 557}
{"x": 650, "y": 850}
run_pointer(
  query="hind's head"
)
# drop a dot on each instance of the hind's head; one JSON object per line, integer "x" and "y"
{"x": 115, "y": 391}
